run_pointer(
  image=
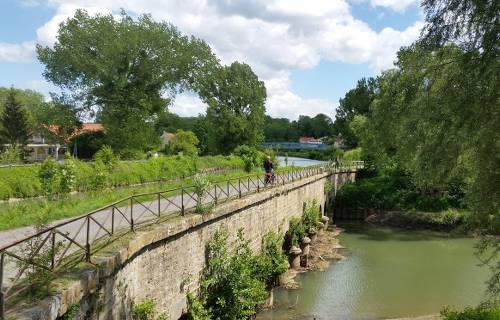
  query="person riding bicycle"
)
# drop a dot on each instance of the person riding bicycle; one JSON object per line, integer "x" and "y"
{"x": 268, "y": 167}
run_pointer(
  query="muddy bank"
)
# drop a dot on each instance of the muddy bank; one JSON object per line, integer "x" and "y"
{"x": 446, "y": 221}
{"x": 322, "y": 253}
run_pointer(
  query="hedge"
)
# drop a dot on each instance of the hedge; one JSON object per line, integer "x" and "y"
{"x": 23, "y": 181}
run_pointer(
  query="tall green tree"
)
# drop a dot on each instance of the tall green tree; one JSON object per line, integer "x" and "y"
{"x": 356, "y": 102}
{"x": 15, "y": 127}
{"x": 30, "y": 100}
{"x": 123, "y": 69}
{"x": 280, "y": 129}
{"x": 235, "y": 98}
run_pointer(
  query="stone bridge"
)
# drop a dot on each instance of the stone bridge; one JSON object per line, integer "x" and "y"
{"x": 163, "y": 261}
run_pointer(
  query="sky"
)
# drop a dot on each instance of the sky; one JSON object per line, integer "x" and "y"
{"x": 309, "y": 53}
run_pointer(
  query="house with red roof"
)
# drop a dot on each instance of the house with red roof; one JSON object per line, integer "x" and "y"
{"x": 51, "y": 142}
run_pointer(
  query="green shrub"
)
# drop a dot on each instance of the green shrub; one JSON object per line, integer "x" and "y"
{"x": 107, "y": 157}
{"x": 252, "y": 157}
{"x": 99, "y": 177}
{"x": 5, "y": 191}
{"x": 230, "y": 288}
{"x": 272, "y": 262}
{"x": 11, "y": 155}
{"x": 479, "y": 313}
{"x": 352, "y": 155}
{"x": 196, "y": 310}
{"x": 201, "y": 187}
{"x": 67, "y": 175}
{"x": 311, "y": 216}
{"x": 146, "y": 311}
{"x": 328, "y": 186}
{"x": 296, "y": 232}
{"x": 49, "y": 177}
{"x": 389, "y": 192}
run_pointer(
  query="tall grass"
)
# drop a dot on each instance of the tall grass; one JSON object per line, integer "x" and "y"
{"x": 23, "y": 182}
{"x": 24, "y": 213}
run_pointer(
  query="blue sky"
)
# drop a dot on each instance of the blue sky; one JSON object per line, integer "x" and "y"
{"x": 308, "y": 52}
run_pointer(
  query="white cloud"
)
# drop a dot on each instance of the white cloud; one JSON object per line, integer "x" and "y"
{"x": 187, "y": 104}
{"x": 273, "y": 36}
{"x": 396, "y": 5}
{"x": 17, "y": 52}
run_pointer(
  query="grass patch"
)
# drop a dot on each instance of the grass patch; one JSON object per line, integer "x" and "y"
{"x": 20, "y": 214}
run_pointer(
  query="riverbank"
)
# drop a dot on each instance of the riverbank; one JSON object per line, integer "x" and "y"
{"x": 447, "y": 221}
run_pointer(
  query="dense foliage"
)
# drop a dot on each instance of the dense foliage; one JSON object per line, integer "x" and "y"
{"x": 14, "y": 128}
{"x": 311, "y": 215}
{"x": 252, "y": 157}
{"x": 282, "y": 129}
{"x": 479, "y": 313}
{"x": 184, "y": 142}
{"x": 23, "y": 182}
{"x": 298, "y": 228}
{"x": 234, "y": 121}
{"x": 356, "y": 102}
{"x": 395, "y": 191}
{"x": 230, "y": 287}
{"x": 104, "y": 63}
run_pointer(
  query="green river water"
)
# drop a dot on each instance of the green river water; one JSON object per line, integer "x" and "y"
{"x": 387, "y": 273}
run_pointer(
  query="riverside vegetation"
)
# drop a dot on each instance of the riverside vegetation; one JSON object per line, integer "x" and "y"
{"x": 24, "y": 182}
{"x": 234, "y": 282}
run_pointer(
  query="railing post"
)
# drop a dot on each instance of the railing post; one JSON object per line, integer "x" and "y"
{"x": 132, "y": 214}
{"x": 239, "y": 187}
{"x": 248, "y": 184}
{"x": 215, "y": 193}
{"x": 182, "y": 200}
{"x": 227, "y": 184}
{"x": 53, "y": 244}
{"x": 2, "y": 257}
{"x": 159, "y": 200}
{"x": 87, "y": 242}
{"x": 258, "y": 184}
{"x": 112, "y": 220}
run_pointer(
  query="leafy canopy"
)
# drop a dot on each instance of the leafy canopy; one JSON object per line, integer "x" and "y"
{"x": 235, "y": 98}
{"x": 185, "y": 142}
{"x": 122, "y": 69}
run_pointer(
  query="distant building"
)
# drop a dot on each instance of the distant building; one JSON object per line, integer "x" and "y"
{"x": 310, "y": 140}
{"x": 40, "y": 147}
{"x": 166, "y": 138}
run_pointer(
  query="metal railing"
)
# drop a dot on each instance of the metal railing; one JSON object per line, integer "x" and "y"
{"x": 77, "y": 239}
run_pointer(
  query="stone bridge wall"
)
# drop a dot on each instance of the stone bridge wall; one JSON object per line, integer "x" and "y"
{"x": 164, "y": 262}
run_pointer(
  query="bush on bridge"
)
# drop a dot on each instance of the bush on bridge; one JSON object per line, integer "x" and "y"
{"x": 296, "y": 232}
{"x": 312, "y": 215}
{"x": 234, "y": 282}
